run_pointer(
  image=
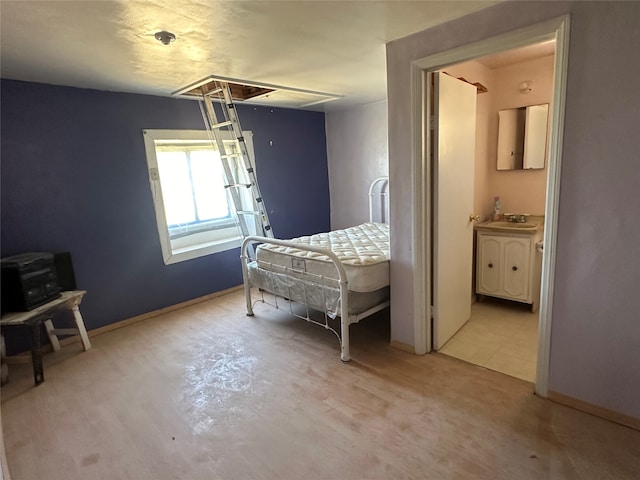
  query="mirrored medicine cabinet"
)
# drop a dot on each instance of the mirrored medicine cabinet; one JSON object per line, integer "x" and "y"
{"x": 522, "y": 137}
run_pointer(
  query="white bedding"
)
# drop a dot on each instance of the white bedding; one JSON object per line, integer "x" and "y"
{"x": 363, "y": 250}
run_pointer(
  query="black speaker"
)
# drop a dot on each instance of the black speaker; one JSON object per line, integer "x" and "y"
{"x": 64, "y": 271}
{"x": 28, "y": 281}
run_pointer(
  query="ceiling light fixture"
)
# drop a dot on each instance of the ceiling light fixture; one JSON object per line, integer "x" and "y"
{"x": 165, "y": 37}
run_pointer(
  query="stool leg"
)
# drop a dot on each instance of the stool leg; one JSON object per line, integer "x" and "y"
{"x": 36, "y": 352}
{"x": 53, "y": 338}
{"x": 86, "y": 344}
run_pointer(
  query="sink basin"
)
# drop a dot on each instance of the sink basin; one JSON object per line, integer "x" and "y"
{"x": 500, "y": 224}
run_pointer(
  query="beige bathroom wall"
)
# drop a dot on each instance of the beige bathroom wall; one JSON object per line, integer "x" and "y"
{"x": 473, "y": 72}
{"x": 520, "y": 191}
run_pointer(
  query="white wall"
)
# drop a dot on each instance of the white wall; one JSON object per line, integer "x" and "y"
{"x": 357, "y": 153}
{"x": 595, "y": 337}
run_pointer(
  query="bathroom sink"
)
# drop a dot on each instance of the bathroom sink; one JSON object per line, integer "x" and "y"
{"x": 518, "y": 225}
{"x": 512, "y": 224}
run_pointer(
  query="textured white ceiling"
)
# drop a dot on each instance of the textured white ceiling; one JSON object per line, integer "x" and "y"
{"x": 335, "y": 47}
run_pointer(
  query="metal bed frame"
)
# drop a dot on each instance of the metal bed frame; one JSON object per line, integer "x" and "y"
{"x": 378, "y": 188}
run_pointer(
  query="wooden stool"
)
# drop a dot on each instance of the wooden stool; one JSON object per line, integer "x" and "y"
{"x": 43, "y": 315}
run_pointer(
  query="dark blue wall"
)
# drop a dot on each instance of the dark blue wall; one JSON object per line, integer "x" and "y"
{"x": 74, "y": 178}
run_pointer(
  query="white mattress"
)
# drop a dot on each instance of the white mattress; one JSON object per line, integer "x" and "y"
{"x": 363, "y": 251}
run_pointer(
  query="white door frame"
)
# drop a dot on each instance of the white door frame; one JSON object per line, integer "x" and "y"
{"x": 558, "y": 29}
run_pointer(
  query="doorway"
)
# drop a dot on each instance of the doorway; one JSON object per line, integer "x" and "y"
{"x": 556, "y": 29}
{"x": 500, "y": 332}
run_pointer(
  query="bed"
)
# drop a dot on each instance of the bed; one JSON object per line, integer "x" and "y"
{"x": 342, "y": 273}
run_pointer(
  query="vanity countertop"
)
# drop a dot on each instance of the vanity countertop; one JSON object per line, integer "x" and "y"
{"x": 533, "y": 224}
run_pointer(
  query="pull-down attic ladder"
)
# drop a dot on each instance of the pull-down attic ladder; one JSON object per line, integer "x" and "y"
{"x": 239, "y": 167}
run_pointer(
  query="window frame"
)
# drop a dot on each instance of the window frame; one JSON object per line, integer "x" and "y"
{"x": 198, "y": 244}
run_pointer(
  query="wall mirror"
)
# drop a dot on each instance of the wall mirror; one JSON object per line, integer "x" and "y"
{"x": 522, "y": 137}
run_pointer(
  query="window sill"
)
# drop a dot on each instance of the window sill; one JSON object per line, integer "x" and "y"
{"x": 195, "y": 251}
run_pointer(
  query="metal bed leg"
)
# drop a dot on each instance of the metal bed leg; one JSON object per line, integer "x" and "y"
{"x": 247, "y": 294}
{"x": 247, "y": 290}
{"x": 245, "y": 279}
{"x": 345, "y": 354}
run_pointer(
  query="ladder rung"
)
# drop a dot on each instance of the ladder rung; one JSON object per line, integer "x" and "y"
{"x": 231, "y": 155}
{"x": 222, "y": 124}
{"x": 238, "y": 185}
{"x": 248, "y": 212}
{"x": 213, "y": 92}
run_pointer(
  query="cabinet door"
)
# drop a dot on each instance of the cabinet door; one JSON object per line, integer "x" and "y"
{"x": 488, "y": 273}
{"x": 515, "y": 268}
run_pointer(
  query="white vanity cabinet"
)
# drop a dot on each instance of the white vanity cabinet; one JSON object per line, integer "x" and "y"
{"x": 509, "y": 266}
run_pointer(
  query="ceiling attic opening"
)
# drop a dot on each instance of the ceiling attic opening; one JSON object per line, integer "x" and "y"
{"x": 239, "y": 91}
{"x": 258, "y": 93}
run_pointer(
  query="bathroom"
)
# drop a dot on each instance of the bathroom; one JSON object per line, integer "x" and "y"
{"x": 501, "y": 334}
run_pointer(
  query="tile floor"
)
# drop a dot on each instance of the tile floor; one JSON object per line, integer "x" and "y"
{"x": 501, "y": 336}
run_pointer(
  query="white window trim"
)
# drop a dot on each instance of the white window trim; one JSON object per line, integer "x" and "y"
{"x": 226, "y": 240}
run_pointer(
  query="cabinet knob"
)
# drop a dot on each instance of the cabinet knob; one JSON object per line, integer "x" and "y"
{"x": 491, "y": 265}
{"x": 514, "y": 268}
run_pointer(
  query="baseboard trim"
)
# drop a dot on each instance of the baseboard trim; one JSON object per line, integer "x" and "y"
{"x": 405, "y": 347}
{"x": 616, "y": 417}
{"x": 148, "y": 315}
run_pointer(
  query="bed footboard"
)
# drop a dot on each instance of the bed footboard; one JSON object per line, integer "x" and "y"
{"x": 341, "y": 285}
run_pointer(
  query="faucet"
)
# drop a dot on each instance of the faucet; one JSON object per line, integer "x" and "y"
{"x": 516, "y": 218}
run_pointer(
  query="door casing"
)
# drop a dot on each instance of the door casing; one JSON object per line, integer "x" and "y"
{"x": 555, "y": 29}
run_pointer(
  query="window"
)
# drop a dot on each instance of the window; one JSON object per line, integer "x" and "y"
{"x": 194, "y": 211}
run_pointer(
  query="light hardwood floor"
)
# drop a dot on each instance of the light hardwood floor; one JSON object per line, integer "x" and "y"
{"x": 208, "y": 393}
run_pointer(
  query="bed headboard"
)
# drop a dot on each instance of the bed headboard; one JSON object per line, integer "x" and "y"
{"x": 379, "y": 200}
